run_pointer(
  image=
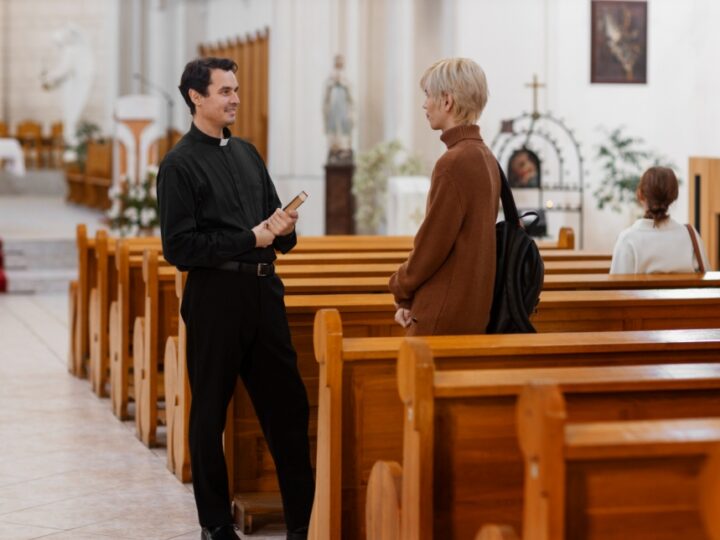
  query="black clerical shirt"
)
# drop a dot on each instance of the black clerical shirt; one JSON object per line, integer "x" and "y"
{"x": 210, "y": 196}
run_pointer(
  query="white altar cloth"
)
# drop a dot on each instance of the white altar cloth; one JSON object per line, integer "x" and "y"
{"x": 11, "y": 152}
{"x": 406, "y": 199}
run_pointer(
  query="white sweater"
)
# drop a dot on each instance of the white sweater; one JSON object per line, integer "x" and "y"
{"x": 668, "y": 248}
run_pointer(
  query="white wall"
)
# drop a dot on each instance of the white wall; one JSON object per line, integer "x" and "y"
{"x": 300, "y": 59}
{"x": 28, "y": 29}
{"x": 4, "y": 105}
{"x": 677, "y": 112}
{"x": 234, "y": 18}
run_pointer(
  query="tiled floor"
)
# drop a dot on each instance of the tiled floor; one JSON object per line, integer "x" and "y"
{"x": 51, "y": 217}
{"x": 68, "y": 468}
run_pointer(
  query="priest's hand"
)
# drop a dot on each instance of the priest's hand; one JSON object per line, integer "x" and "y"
{"x": 263, "y": 235}
{"x": 282, "y": 223}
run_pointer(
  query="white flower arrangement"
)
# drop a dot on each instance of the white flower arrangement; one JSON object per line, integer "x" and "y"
{"x": 134, "y": 207}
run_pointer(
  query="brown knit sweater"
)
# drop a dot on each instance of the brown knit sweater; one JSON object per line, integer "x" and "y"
{"x": 447, "y": 281}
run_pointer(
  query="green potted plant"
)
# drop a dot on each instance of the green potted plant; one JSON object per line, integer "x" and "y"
{"x": 623, "y": 159}
{"x": 372, "y": 171}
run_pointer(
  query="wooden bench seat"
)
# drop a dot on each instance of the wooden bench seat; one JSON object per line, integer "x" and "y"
{"x": 357, "y": 379}
{"x": 461, "y": 462}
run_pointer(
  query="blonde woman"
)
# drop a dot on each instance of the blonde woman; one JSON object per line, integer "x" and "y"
{"x": 446, "y": 285}
{"x": 657, "y": 243}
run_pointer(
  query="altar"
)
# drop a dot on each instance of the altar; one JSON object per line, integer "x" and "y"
{"x": 11, "y": 155}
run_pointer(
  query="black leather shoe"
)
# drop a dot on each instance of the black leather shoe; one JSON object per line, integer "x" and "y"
{"x": 298, "y": 534}
{"x": 224, "y": 532}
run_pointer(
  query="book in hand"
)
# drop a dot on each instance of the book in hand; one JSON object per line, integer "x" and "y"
{"x": 296, "y": 202}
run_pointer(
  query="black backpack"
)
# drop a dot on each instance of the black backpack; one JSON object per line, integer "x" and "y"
{"x": 519, "y": 271}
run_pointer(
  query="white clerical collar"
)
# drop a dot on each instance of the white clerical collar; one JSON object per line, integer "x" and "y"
{"x": 223, "y": 142}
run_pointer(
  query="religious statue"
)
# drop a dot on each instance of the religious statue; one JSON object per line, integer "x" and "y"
{"x": 338, "y": 114}
{"x": 73, "y": 73}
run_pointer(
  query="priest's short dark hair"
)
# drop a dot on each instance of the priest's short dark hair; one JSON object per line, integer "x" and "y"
{"x": 197, "y": 76}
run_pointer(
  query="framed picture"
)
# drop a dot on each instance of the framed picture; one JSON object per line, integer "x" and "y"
{"x": 524, "y": 169}
{"x": 619, "y": 42}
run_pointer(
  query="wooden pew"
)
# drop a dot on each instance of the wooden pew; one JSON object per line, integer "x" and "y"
{"x": 385, "y": 269}
{"x": 398, "y": 257}
{"x": 583, "y": 311}
{"x": 150, "y": 334}
{"x": 574, "y": 255}
{"x": 461, "y": 464}
{"x": 320, "y": 284}
{"x": 177, "y": 394}
{"x": 87, "y": 275}
{"x": 577, "y": 267}
{"x": 129, "y": 305}
{"x": 567, "y": 311}
{"x": 75, "y": 181}
{"x": 614, "y": 480}
{"x": 358, "y": 243}
{"x": 98, "y": 174}
{"x": 357, "y": 379}
{"x": 102, "y": 294}
{"x": 566, "y": 240}
{"x": 568, "y": 282}
{"x": 372, "y": 316}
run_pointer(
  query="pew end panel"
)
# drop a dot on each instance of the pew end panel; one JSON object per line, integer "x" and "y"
{"x": 541, "y": 421}
{"x": 415, "y": 370}
{"x": 142, "y": 416}
{"x": 177, "y": 409}
{"x": 87, "y": 278}
{"x": 177, "y": 393}
{"x": 325, "y": 520}
{"x": 72, "y": 324}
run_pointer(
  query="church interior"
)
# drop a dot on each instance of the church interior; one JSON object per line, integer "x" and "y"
{"x": 601, "y": 423}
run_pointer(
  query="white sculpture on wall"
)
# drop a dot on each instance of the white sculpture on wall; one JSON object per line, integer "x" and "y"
{"x": 137, "y": 126}
{"x": 73, "y": 74}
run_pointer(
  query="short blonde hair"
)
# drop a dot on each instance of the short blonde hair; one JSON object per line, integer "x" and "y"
{"x": 464, "y": 80}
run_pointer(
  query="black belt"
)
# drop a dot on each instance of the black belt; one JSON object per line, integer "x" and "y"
{"x": 256, "y": 269}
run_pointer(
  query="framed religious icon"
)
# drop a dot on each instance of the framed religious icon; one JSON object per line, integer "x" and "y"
{"x": 619, "y": 42}
{"x": 524, "y": 169}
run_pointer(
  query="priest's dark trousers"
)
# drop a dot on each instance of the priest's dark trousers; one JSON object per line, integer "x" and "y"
{"x": 237, "y": 326}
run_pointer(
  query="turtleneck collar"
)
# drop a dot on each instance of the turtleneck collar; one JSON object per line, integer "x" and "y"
{"x": 199, "y": 136}
{"x": 456, "y": 134}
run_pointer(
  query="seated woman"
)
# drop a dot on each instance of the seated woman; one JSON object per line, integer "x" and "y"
{"x": 657, "y": 243}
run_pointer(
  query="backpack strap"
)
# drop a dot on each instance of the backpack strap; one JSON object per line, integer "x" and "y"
{"x": 696, "y": 248}
{"x": 508, "y": 202}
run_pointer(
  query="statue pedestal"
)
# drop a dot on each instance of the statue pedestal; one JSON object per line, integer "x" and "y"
{"x": 339, "y": 200}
